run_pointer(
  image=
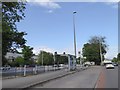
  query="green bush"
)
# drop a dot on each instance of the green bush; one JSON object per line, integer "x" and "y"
{"x": 19, "y": 61}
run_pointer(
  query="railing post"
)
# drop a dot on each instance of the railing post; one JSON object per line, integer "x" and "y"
{"x": 15, "y": 71}
{"x": 20, "y": 70}
{"x": 35, "y": 69}
{"x": 24, "y": 70}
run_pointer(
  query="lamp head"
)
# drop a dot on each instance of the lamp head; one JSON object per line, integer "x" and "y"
{"x": 74, "y": 12}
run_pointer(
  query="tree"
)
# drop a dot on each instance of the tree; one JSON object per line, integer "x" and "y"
{"x": 27, "y": 54}
{"x": 47, "y": 58}
{"x": 114, "y": 60}
{"x": 12, "y": 39}
{"x": 19, "y": 61}
{"x": 99, "y": 40}
{"x": 61, "y": 59}
{"x": 118, "y": 57}
{"x": 91, "y": 50}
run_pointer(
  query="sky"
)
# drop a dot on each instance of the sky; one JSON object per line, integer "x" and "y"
{"x": 49, "y": 25}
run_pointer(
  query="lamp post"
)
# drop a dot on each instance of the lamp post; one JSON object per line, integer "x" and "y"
{"x": 80, "y": 58}
{"x": 42, "y": 57}
{"x": 101, "y": 57}
{"x": 74, "y": 32}
{"x": 74, "y": 38}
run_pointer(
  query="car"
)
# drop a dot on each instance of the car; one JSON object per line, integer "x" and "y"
{"x": 109, "y": 66}
{"x": 115, "y": 64}
{"x": 6, "y": 67}
{"x": 55, "y": 65}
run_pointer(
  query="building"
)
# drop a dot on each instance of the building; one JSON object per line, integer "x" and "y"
{"x": 12, "y": 56}
{"x": 35, "y": 58}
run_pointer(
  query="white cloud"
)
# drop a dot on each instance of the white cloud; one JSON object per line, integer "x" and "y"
{"x": 50, "y": 11}
{"x": 73, "y": 0}
{"x": 37, "y": 50}
{"x": 45, "y": 3}
{"x": 112, "y": 52}
{"x": 52, "y": 50}
{"x": 52, "y": 4}
{"x": 113, "y": 4}
{"x": 67, "y": 50}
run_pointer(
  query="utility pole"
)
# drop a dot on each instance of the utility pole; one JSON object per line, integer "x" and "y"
{"x": 80, "y": 58}
{"x": 42, "y": 57}
{"x": 74, "y": 33}
{"x": 101, "y": 51}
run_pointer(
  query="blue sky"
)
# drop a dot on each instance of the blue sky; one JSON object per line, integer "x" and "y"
{"x": 50, "y": 26}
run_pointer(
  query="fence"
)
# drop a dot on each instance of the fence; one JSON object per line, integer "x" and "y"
{"x": 25, "y": 71}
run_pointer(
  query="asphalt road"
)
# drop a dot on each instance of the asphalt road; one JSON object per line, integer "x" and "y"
{"x": 108, "y": 78}
{"x": 111, "y": 78}
{"x": 82, "y": 79}
{"x": 95, "y": 77}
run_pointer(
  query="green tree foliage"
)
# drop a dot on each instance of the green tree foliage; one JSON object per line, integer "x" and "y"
{"x": 118, "y": 57}
{"x": 12, "y": 12}
{"x": 47, "y": 58}
{"x": 115, "y": 60}
{"x": 61, "y": 59}
{"x": 91, "y": 50}
{"x": 27, "y": 55}
{"x": 19, "y": 61}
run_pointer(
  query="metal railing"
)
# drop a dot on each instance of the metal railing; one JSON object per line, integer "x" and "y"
{"x": 25, "y": 71}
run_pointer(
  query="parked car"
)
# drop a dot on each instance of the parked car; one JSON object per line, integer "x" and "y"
{"x": 109, "y": 66}
{"x": 55, "y": 65}
{"x": 87, "y": 63}
{"x": 5, "y": 68}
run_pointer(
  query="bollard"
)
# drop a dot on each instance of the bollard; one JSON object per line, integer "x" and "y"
{"x": 35, "y": 69}
{"x": 24, "y": 70}
{"x": 20, "y": 70}
{"x": 45, "y": 68}
{"x": 15, "y": 71}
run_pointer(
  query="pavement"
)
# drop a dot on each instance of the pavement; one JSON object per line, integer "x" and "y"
{"x": 29, "y": 81}
{"x": 82, "y": 79}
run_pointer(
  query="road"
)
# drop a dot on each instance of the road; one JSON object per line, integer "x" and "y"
{"x": 111, "y": 77}
{"x": 82, "y": 79}
{"x": 108, "y": 78}
{"x": 86, "y": 79}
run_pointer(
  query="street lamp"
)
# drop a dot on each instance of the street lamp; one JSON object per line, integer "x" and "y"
{"x": 74, "y": 32}
{"x": 55, "y": 53}
{"x": 100, "y": 52}
{"x": 80, "y": 58}
{"x": 42, "y": 57}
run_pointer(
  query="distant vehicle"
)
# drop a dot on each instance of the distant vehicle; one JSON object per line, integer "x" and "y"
{"x": 92, "y": 63}
{"x": 86, "y": 64}
{"x": 109, "y": 66}
{"x": 115, "y": 64}
{"x": 55, "y": 65}
{"x": 105, "y": 62}
{"x": 61, "y": 65}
